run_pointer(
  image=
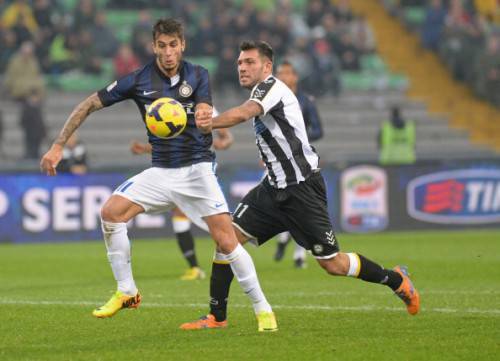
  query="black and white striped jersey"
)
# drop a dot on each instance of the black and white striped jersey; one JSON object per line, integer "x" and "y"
{"x": 281, "y": 134}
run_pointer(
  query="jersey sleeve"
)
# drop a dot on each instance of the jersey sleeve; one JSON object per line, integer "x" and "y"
{"x": 117, "y": 91}
{"x": 267, "y": 94}
{"x": 203, "y": 93}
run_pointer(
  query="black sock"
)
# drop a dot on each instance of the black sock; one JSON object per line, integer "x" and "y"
{"x": 220, "y": 282}
{"x": 369, "y": 271}
{"x": 185, "y": 241}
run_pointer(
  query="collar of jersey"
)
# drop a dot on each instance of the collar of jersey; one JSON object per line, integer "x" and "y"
{"x": 166, "y": 78}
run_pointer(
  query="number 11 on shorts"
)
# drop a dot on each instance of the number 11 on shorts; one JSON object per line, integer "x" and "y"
{"x": 239, "y": 212}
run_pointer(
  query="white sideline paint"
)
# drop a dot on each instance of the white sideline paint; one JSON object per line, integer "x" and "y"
{"x": 492, "y": 312}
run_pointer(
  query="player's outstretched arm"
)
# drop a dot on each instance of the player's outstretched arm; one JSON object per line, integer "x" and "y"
{"x": 51, "y": 159}
{"x": 237, "y": 115}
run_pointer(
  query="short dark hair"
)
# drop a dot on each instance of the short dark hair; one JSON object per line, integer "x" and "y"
{"x": 169, "y": 26}
{"x": 262, "y": 47}
{"x": 287, "y": 62}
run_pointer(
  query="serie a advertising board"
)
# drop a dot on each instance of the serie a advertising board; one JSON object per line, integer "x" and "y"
{"x": 361, "y": 198}
{"x": 35, "y": 208}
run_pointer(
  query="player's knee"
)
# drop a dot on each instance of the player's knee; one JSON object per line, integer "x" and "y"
{"x": 225, "y": 242}
{"x": 108, "y": 215}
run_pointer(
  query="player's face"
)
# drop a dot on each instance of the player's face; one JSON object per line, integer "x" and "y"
{"x": 168, "y": 50}
{"x": 287, "y": 75}
{"x": 252, "y": 68}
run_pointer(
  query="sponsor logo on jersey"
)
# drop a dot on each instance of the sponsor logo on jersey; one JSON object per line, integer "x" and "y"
{"x": 185, "y": 90}
{"x": 468, "y": 196}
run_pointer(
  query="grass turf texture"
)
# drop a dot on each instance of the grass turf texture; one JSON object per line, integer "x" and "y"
{"x": 49, "y": 291}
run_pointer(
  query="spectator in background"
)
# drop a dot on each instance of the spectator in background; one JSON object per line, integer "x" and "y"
{"x": 74, "y": 157}
{"x": 432, "y": 27}
{"x": 141, "y": 37}
{"x": 343, "y": 12}
{"x": 63, "y": 50}
{"x": 349, "y": 54}
{"x": 23, "y": 76}
{"x": 19, "y": 12}
{"x": 103, "y": 38}
{"x": 24, "y": 83}
{"x": 397, "y": 140}
{"x": 487, "y": 68}
{"x": 8, "y": 48}
{"x": 89, "y": 59}
{"x": 33, "y": 125}
{"x": 314, "y": 12}
{"x": 125, "y": 61}
{"x": 84, "y": 15}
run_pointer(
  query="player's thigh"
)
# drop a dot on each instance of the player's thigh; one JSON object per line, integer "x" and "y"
{"x": 306, "y": 212}
{"x": 176, "y": 212}
{"x": 199, "y": 195}
{"x": 256, "y": 216}
{"x": 150, "y": 189}
{"x": 118, "y": 209}
{"x": 222, "y": 231}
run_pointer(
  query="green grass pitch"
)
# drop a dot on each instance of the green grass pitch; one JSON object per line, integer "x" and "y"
{"x": 48, "y": 292}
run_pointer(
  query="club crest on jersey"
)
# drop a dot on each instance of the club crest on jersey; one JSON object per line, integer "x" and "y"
{"x": 318, "y": 248}
{"x": 185, "y": 90}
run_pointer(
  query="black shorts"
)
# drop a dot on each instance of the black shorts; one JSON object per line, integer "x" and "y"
{"x": 300, "y": 209}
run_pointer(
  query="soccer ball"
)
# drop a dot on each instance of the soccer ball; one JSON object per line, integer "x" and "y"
{"x": 166, "y": 118}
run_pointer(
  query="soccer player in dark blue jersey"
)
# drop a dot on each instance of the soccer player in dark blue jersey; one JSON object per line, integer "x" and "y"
{"x": 182, "y": 172}
{"x": 287, "y": 74}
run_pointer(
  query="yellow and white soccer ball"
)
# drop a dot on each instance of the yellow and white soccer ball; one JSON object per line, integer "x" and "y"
{"x": 166, "y": 118}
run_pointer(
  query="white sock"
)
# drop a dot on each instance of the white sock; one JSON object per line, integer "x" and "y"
{"x": 299, "y": 252}
{"x": 284, "y": 237}
{"x": 181, "y": 224}
{"x": 118, "y": 246}
{"x": 244, "y": 270}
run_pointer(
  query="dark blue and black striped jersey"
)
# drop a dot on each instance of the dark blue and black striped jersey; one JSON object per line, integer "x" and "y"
{"x": 191, "y": 87}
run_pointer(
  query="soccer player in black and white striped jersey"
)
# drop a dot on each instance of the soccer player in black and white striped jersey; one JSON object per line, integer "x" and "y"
{"x": 293, "y": 196}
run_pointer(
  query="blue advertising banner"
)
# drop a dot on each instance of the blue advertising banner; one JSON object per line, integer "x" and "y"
{"x": 462, "y": 196}
{"x": 361, "y": 198}
{"x": 36, "y": 208}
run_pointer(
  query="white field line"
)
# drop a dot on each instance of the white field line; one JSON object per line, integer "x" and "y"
{"x": 492, "y": 312}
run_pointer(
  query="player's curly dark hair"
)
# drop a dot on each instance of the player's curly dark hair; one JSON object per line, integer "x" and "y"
{"x": 169, "y": 26}
{"x": 262, "y": 47}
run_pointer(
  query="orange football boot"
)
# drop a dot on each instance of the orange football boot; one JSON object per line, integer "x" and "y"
{"x": 407, "y": 292}
{"x": 204, "y": 322}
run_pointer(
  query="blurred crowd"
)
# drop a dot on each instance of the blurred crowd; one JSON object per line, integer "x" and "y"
{"x": 321, "y": 41}
{"x": 466, "y": 35}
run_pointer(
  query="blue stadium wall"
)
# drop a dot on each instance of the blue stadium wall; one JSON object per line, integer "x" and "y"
{"x": 362, "y": 198}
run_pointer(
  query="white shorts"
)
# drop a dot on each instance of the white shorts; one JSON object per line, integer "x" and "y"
{"x": 194, "y": 189}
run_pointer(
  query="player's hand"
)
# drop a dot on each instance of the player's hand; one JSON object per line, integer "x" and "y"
{"x": 203, "y": 119}
{"x": 51, "y": 159}
{"x": 138, "y": 147}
